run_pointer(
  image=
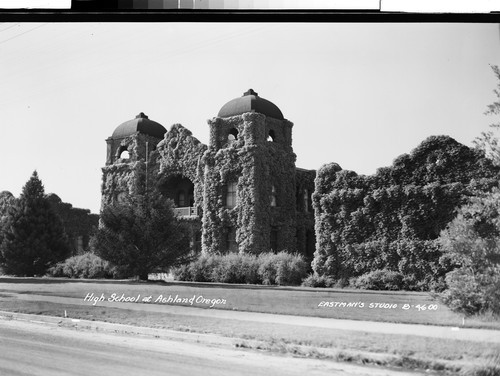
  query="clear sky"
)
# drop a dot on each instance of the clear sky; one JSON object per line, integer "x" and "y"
{"x": 358, "y": 94}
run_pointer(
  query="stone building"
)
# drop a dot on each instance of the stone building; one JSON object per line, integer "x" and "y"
{"x": 241, "y": 193}
{"x": 79, "y": 224}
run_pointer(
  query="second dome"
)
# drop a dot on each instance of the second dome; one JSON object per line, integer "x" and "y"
{"x": 250, "y": 102}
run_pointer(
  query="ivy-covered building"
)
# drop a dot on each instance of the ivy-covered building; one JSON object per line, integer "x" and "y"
{"x": 241, "y": 193}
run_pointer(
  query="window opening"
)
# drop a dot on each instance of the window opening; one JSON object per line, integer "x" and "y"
{"x": 231, "y": 244}
{"x": 232, "y": 136}
{"x": 124, "y": 154}
{"x": 273, "y": 196}
{"x": 231, "y": 195}
{"x": 271, "y": 137}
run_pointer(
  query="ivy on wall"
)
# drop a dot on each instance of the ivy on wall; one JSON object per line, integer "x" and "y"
{"x": 391, "y": 219}
{"x": 246, "y": 158}
{"x": 256, "y": 165}
{"x": 180, "y": 154}
{"x": 127, "y": 176}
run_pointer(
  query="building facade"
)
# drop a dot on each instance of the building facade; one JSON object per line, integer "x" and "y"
{"x": 241, "y": 193}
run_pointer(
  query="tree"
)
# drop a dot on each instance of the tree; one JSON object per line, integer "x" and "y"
{"x": 141, "y": 234}
{"x": 33, "y": 235}
{"x": 488, "y": 141}
{"x": 472, "y": 244}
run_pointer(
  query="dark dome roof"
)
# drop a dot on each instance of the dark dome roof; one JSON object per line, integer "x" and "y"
{"x": 250, "y": 102}
{"x": 53, "y": 198}
{"x": 140, "y": 124}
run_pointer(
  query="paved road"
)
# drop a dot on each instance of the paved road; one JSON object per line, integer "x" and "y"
{"x": 479, "y": 335}
{"x": 48, "y": 350}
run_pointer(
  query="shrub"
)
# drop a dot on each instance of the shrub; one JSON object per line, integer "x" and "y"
{"x": 87, "y": 265}
{"x": 282, "y": 268}
{"x": 469, "y": 295}
{"x": 200, "y": 270}
{"x": 238, "y": 268}
{"x": 250, "y": 269}
{"x": 315, "y": 280}
{"x": 268, "y": 268}
{"x": 229, "y": 269}
{"x": 290, "y": 269}
{"x": 182, "y": 273}
{"x": 381, "y": 279}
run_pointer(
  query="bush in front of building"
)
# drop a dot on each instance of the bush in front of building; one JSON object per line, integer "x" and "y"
{"x": 236, "y": 268}
{"x": 291, "y": 269}
{"x": 267, "y": 268}
{"x": 87, "y": 265}
{"x": 381, "y": 279}
{"x": 316, "y": 280}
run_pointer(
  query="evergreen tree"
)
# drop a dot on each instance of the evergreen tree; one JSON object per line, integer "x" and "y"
{"x": 141, "y": 235}
{"x": 33, "y": 235}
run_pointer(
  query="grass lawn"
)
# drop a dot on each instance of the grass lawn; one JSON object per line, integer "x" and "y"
{"x": 385, "y": 306}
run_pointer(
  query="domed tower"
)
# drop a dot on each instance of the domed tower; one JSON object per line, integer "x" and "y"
{"x": 128, "y": 149}
{"x": 249, "y": 198}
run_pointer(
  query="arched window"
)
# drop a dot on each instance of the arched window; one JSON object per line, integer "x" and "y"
{"x": 232, "y": 136}
{"x": 272, "y": 136}
{"x": 123, "y": 153}
{"x": 274, "y": 196}
{"x": 231, "y": 194}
